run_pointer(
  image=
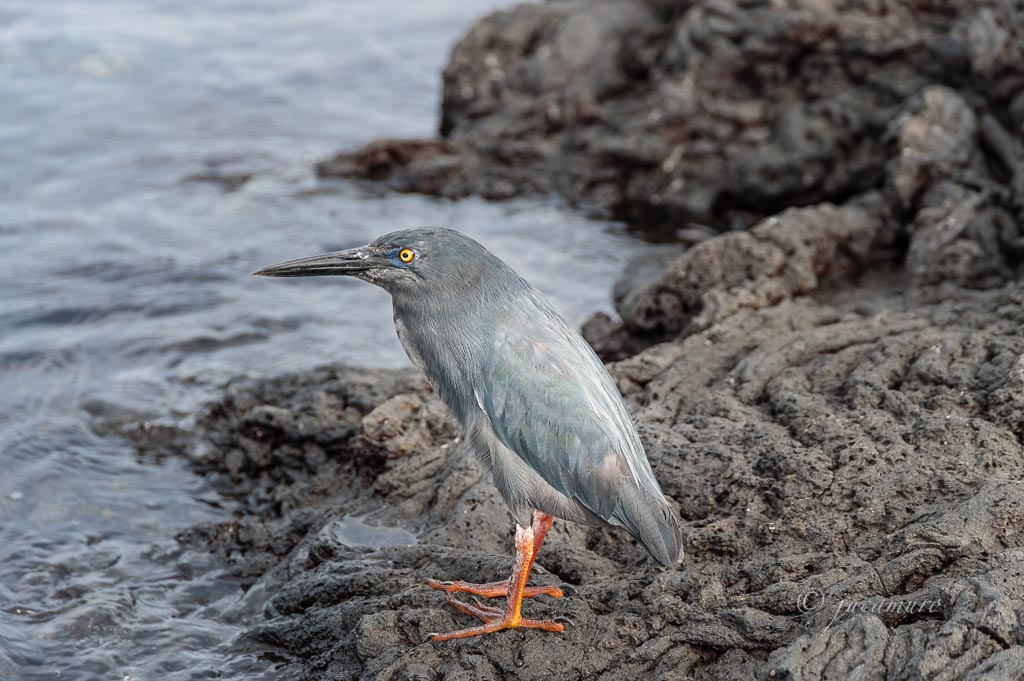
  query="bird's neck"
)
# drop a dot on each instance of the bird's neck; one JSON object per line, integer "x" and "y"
{"x": 449, "y": 335}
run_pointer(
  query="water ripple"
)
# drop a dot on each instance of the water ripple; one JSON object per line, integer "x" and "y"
{"x": 126, "y": 297}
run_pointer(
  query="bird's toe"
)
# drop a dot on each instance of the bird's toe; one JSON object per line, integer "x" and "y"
{"x": 483, "y": 613}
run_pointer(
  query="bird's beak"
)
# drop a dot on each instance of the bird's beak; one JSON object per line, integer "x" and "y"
{"x": 350, "y": 262}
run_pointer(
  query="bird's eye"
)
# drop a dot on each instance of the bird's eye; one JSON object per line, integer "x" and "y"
{"x": 406, "y": 255}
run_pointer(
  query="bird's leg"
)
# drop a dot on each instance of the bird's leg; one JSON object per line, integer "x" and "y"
{"x": 541, "y": 524}
{"x": 527, "y": 541}
{"x": 493, "y": 589}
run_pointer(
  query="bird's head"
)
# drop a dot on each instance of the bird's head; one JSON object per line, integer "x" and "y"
{"x": 405, "y": 262}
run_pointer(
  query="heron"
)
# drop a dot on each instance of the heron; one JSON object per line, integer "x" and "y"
{"x": 536, "y": 405}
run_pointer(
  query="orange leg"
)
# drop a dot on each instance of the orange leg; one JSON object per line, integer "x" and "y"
{"x": 541, "y": 525}
{"x": 528, "y": 541}
{"x": 493, "y": 589}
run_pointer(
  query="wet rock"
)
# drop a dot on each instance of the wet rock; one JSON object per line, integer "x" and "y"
{"x": 292, "y": 452}
{"x": 786, "y": 255}
{"x": 722, "y": 112}
{"x": 943, "y": 214}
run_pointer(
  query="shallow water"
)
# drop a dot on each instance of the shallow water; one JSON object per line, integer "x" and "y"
{"x": 151, "y": 155}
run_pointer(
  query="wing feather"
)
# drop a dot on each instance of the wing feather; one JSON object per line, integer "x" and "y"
{"x": 554, "y": 405}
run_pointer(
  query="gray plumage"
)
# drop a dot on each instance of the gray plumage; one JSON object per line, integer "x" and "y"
{"x": 539, "y": 408}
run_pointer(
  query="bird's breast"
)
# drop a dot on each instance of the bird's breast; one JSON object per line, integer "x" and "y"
{"x": 447, "y": 353}
{"x": 408, "y": 344}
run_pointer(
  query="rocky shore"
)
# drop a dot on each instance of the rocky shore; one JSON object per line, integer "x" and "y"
{"x": 829, "y": 380}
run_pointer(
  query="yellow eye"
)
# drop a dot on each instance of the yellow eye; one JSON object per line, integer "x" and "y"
{"x": 406, "y": 255}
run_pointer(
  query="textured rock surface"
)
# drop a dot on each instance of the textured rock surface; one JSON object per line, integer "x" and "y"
{"x": 834, "y": 398}
{"x": 831, "y": 459}
{"x": 940, "y": 215}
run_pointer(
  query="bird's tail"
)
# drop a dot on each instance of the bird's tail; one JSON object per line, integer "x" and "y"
{"x": 650, "y": 519}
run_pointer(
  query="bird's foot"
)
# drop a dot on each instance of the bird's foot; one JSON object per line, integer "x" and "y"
{"x": 494, "y": 619}
{"x": 493, "y": 589}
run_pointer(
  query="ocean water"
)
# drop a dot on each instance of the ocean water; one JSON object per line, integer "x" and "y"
{"x": 152, "y": 154}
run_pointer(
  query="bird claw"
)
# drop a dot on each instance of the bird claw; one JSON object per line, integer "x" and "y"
{"x": 568, "y": 590}
{"x": 563, "y": 620}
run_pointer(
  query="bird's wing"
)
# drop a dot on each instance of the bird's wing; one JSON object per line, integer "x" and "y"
{"x": 551, "y": 401}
